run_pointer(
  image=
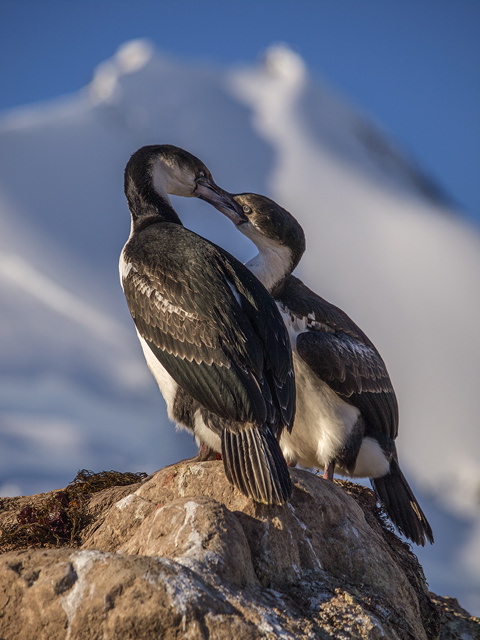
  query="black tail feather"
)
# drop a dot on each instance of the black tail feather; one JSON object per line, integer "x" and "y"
{"x": 401, "y": 505}
{"x": 254, "y": 463}
{"x": 230, "y": 453}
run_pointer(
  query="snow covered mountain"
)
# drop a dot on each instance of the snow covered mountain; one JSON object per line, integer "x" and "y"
{"x": 382, "y": 243}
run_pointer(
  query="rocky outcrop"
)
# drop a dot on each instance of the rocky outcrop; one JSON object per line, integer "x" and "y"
{"x": 184, "y": 555}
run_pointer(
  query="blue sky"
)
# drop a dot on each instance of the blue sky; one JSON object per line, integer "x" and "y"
{"x": 412, "y": 65}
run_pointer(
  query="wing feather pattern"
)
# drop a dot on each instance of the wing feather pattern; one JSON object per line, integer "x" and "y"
{"x": 356, "y": 372}
{"x": 341, "y": 355}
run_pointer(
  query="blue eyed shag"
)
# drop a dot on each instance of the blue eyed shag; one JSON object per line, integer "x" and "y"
{"x": 347, "y": 413}
{"x": 211, "y": 334}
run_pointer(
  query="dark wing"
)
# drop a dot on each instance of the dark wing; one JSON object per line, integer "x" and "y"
{"x": 341, "y": 355}
{"x": 261, "y": 311}
{"x": 356, "y": 372}
{"x": 204, "y": 323}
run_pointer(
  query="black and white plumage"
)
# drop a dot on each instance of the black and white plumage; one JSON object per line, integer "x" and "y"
{"x": 347, "y": 413}
{"x": 211, "y": 334}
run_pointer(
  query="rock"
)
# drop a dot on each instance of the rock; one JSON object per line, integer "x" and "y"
{"x": 184, "y": 555}
{"x": 455, "y": 622}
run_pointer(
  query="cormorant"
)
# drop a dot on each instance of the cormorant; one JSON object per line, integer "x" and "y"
{"x": 211, "y": 334}
{"x": 347, "y": 413}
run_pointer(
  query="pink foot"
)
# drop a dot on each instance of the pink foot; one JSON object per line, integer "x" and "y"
{"x": 328, "y": 472}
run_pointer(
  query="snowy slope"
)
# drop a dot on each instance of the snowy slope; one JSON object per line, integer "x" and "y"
{"x": 382, "y": 243}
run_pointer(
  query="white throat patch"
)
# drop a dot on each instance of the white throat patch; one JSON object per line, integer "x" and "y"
{"x": 169, "y": 178}
{"x": 272, "y": 263}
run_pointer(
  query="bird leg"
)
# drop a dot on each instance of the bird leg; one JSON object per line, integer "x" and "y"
{"x": 206, "y": 453}
{"x": 328, "y": 471}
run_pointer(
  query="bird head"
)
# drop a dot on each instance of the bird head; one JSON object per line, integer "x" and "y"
{"x": 266, "y": 223}
{"x": 178, "y": 172}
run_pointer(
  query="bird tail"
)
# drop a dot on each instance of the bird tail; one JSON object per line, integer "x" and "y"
{"x": 401, "y": 505}
{"x": 254, "y": 463}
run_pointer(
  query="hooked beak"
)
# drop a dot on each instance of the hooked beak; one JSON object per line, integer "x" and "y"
{"x": 207, "y": 190}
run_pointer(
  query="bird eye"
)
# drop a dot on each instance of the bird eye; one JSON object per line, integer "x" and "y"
{"x": 201, "y": 174}
{"x": 246, "y": 209}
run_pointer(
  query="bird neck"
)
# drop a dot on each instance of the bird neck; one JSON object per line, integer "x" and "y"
{"x": 147, "y": 203}
{"x": 271, "y": 265}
